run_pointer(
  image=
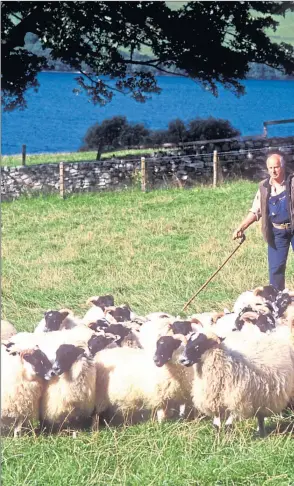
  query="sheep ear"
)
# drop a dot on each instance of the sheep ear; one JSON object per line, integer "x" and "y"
{"x": 91, "y": 300}
{"x": 258, "y": 291}
{"x": 213, "y": 337}
{"x": 65, "y": 312}
{"x": 194, "y": 320}
{"x": 216, "y": 316}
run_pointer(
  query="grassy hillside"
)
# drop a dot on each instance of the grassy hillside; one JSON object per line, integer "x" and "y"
{"x": 284, "y": 32}
{"x": 153, "y": 251}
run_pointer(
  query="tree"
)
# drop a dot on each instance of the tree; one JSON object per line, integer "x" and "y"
{"x": 177, "y": 131}
{"x": 210, "y": 129}
{"x": 211, "y": 42}
{"x": 114, "y": 133}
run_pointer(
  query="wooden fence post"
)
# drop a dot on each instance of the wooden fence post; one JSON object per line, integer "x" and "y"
{"x": 61, "y": 179}
{"x": 215, "y": 168}
{"x": 23, "y": 154}
{"x": 143, "y": 174}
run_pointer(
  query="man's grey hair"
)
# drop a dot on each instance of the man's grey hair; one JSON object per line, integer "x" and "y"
{"x": 282, "y": 159}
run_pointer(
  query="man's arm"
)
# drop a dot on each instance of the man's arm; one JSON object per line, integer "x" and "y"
{"x": 253, "y": 215}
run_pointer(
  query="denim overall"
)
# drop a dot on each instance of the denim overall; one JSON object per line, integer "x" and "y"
{"x": 277, "y": 255}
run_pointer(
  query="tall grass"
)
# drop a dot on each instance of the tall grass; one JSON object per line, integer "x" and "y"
{"x": 153, "y": 251}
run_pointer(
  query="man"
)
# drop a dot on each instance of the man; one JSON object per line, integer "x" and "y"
{"x": 274, "y": 203}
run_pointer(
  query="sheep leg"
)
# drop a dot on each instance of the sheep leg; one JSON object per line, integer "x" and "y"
{"x": 261, "y": 428}
{"x": 182, "y": 410}
{"x": 17, "y": 430}
{"x": 95, "y": 422}
{"x": 161, "y": 415}
{"x": 217, "y": 422}
{"x": 230, "y": 420}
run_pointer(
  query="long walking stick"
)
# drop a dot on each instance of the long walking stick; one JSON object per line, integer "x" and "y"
{"x": 242, "y": 239}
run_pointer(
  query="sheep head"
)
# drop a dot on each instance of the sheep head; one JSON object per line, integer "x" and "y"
{"x": 35, "y": 364}
{"x": 165, "y": 348}
{"x": 197, "y": 345}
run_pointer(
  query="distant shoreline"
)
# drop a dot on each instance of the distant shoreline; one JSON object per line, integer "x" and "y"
{"x": 291, "y": 78}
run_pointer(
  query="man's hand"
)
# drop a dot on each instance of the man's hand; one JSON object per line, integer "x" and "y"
{"x": 238, "y": 233}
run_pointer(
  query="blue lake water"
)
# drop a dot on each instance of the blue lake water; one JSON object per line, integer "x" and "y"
{"x": 56, "y": 119}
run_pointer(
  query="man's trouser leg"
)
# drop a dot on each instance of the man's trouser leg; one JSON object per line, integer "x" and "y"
{"x": 277, "y": 257}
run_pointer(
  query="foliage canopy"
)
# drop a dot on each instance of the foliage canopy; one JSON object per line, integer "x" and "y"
{"x": 210, "y": 42}
{"x": 117, "y": 132}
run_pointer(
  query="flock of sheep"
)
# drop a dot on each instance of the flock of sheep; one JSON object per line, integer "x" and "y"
{"x": 115, "y": 365}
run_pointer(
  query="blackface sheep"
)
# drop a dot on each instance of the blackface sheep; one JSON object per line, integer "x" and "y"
{"x": 244, "y": 385}
{"x": 52, "y": 321}
{"x": 49, "y": 342}
{"x": 22, "y": 384}
{"x": 264, "y": 321}
{"x": 167, "y": 353}
{"x": 117, "y": 314}
{"x": 248, "y": 298}
{"x": 152, "y": 330}
{"x": 101, "y": 341}
{"x": 99, "y": 325}
{"x": 96, "y": 310}
{"x": 69, "y": 398}
{"x": 129, "y": 383}
{"x": 181, "y": 327}
{"x": 101, "y": 301}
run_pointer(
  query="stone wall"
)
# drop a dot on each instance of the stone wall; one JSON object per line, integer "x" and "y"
{"x": 182, "y": 167}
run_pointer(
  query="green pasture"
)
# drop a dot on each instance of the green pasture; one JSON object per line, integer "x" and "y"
{"x": 153, "y": 251}
{"x": 46, "y": 158}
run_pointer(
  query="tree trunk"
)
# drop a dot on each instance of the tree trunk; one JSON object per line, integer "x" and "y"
{"x": 99, "y": 152}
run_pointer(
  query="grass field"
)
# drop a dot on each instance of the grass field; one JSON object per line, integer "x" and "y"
{"x": 46, "y": 158}
{"x": 153, "y": 251}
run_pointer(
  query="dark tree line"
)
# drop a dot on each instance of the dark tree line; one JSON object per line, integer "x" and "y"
{"x": 117, "y": 133}
{"x": 210, "y": 42}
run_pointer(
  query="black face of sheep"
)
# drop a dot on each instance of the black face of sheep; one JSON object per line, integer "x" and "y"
{"x": 97, "y": 343}
{"x": 104, "y": 301}
{"x": 247, "y": 314}
{"x": 283, "y": 300}
{"x": 195, "y": 348}
{"x": 165, "y": 347}
{"x": 66, "y": 355}
{"x": 119, "y": 330}
{"x": 39, "y": 362}
{"x": 99, "y": 325}
{"x": 265, "y": 322}
{"x": 181, "y": 327}
{"x": 121, "y": 314}
{"x": 53, "y": 320}
{"x": 268, "y": 292}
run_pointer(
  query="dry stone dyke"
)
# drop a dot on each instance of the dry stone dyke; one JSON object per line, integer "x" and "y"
{"x": 179, "y": 167}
